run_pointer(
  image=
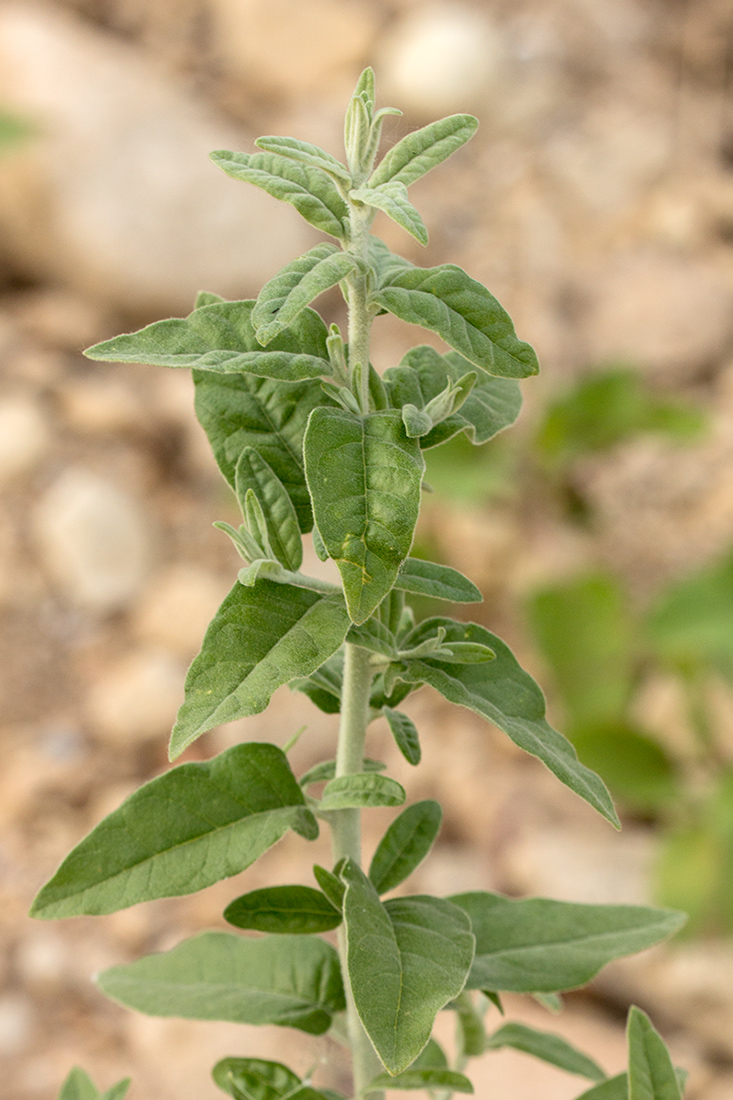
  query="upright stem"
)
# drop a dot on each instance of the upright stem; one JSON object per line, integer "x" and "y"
{"x": 360, "y": 319}
{"x": 346, "y": 838}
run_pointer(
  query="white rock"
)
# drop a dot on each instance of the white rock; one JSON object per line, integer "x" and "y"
{"x": 137, "y": 698}
{"x": 94, "y": 539}
{"x": 178, "y": 606}
{"x": 16, "y": 1023}
{"x": 441, "y": 58}
{"x": 116, "y": 197}
{"x": 24, "y": 435}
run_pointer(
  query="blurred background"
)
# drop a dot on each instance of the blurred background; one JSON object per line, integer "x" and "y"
{"x": 596, "y": 202}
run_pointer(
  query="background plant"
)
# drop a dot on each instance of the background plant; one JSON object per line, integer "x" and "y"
{"x": 312, "y": 440}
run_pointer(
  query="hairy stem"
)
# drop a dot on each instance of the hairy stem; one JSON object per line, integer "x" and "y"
{"x": 346, "y": 837}
{"x": 360, "y": 319}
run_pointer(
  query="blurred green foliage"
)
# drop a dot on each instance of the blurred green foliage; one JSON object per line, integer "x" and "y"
{"x": 600, "y": 648}
{"x": 14, "y": 130}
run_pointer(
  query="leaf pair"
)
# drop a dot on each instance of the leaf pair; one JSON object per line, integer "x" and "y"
{"x": 257, "y": 1079}
{"x": 79, "y": 1086}
{"x": 301, "y": 910}
{"x": 651, "y": 1075}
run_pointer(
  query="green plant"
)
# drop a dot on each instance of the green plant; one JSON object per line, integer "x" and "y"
{"x": 600, "y": 649}
{"x": 312, "y": 439}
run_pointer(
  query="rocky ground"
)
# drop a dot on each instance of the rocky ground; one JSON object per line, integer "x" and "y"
{"x": 597, "y": 204}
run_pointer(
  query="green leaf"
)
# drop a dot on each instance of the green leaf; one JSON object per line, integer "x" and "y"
{"x": 297, "y": 910}
{"x": 502, "y": 692}
{"x": 362, "y": 789}
{"x": 284, "y": 297}
{"x": 651, "y": 1073}
{"x": 405, "y": 733}
{"x": 423, "y": 149}
{"x": 588, "y": 638}
{"x": 324, "y": 686}
{"x": 309, "y": 189}
{"x": 321, "y": 773}
{"x": 118, "y": 1091}
{"x": 79, "y": 1086}
{"x": 539, "y": 945}
{"x": 189, "y": 828}
{"x": 405, "y": 845}
{"x": 605, "y": 408}
{"x": 392, "y": 199}
{"x": 691, "y": 622}
{"x": 546, "y": 1046}
{"x": 240, "y": 410}
{"x": 331, "y": 885}
{"x": 364, "y": 477}
{"x": 291, "y": 981}
{"x": 221, "y": 338}
{"x": 492, "y": 405}
{"x": 374, "y": 636}
{"x": 305, "y": 153}
{"x": 283, "y": 530}
{"x": 254, "y": 1079}
{"x": 406, "y": 959}
{"x": 637, "y": 769}
{"x": 471, "y": 1037}
{"x": 422, "y": 1079}
{"x": 462, "y": 311}
{"x": 615, "y": 1088}
{"x": 260, "y": 638}
{"x": 207, "y": 298}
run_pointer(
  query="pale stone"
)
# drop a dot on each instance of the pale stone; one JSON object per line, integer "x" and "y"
{"x": 24, "y": 435}
{"x": 16, "y": 1023}
{"x": 178, "y": 607}
{"x": 441, "y": 58}
{"x": 137, "y": 698}
{"x": 117, "y": 197}
{"x": 308, "y": 46}
{"x": 94, "y": 538}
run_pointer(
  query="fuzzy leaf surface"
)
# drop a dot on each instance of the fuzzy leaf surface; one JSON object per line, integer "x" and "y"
{"x": 283, "y": 529}
{"x": 406, "y": 959}
{"x": 240, "y": 410}
{"x": 79, "y": 1086}
{"x": 405, "y": 844}
{"x": 254, "y": 1078}
{"x": 192, "y": 826}
{"x": 326, "y": 770}
{"x": 283, "y": 298}
{"x": 428, "y": 578}
{"x": 364, "y": 477}
{"x": 422, "y": 1079}
{"x": 651, "y": 1073}
{"x": 392, "y": 199}
{"x": 614, "y": 1088}
{"x": 291, "y": 981}
{"x": 260, "y": 638}
{"x": 492, "y": 405}
{"x": 463, "y": 312}
{"x": 424, "y": 149}
{"x": 297, "y": 910}
{"x": 309, "y": 189}
{"x": 546, "y": 1046}
{"x": 502, "y": 692}
{"x": 534, "y": 945}
{"x": 361, "y": 790}
{"x": 405, "y": 733}
{"x": 305, "y": 153}
{"x": 221, "y": 338}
